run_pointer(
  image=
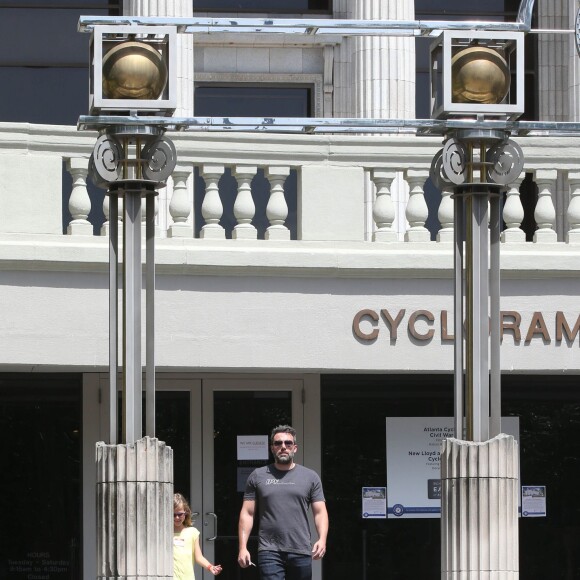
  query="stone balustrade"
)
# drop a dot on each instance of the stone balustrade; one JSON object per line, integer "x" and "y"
{"x": 281, "y": 187}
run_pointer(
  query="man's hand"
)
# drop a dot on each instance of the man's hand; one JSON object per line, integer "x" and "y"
{"x": 318, "y": 550}
{"x": 244, "y": 558}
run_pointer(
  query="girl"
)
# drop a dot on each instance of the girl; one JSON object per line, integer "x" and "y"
{"x": 186, "y": 550}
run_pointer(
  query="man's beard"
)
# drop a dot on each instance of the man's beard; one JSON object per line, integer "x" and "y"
{"x": 286, "y": 459}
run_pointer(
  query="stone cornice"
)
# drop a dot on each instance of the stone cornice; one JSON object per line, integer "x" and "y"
{"x": 285, "y": 258}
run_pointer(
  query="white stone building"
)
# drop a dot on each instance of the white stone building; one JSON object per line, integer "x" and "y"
{"x": 282, "y": 262}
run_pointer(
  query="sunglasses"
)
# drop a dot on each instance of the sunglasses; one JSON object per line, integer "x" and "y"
{"x": 179, "y": 514}
{"x": 286, "y": 443}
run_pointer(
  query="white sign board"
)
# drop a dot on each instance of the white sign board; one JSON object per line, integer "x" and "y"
{"x": 414, "y": 463}
{"x": 533, "y": 501}
{"x": 252, "y": 447}
{"x": 374, "y": 502}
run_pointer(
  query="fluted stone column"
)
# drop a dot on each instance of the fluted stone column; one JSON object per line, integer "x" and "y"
{"x": 134, "y": 511}
{"x": 375, "y": 76}
{"x": 185, "y": 76}
{"x": 185, "y": 79}
{"x": 479, "y": 509}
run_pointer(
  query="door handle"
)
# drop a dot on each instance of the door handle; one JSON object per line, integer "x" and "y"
{"x": 215, "y": 528}
{"x": 194, "y": 516}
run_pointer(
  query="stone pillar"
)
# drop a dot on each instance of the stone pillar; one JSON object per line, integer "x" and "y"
{"x": 185, "y": 75}
{"x": 134, "y": 511}
{"x": 375, "y": 75}
{"x": 553, "y": 53}
{"x": 178, "y": 8}
{"x": 479, "y": 509}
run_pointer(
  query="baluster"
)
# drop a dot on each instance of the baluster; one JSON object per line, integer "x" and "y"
{"x": 277, "y": 208}
{"x": 573, "y": 235}
{"x": 212, "y": 207}
{"x": 417, "y": 211}
{"x": 545, "y": 213}
{"x": 79, "y": 203}
{"x": 244, "y": 207}
{"x": 445, "y": 214}
{"x": 513, "y": 214}
{"x": 180, "y": 204}
{"x": 383, "y": 208}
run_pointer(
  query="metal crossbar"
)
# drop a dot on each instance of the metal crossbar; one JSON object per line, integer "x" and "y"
{"x": 315, "y": 125}
{"x": 336, "y": 27}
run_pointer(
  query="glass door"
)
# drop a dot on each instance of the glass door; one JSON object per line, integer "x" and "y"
{"x": 248, "y": 409}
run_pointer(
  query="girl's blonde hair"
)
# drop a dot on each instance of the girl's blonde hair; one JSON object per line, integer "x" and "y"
{"x": 179, "y": 502}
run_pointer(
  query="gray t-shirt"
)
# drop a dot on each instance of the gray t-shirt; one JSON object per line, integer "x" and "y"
{"x": 282, "y": 501}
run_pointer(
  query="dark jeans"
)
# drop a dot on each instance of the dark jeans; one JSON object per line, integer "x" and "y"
{"x": 284, "y": 566}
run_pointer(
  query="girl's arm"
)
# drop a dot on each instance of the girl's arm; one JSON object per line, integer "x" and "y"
{"x": 202, "y": 561}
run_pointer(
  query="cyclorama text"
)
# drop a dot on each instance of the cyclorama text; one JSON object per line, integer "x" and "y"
{"x": 367, "y": 324}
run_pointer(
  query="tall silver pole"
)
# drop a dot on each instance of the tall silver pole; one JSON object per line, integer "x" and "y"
{"x": 458, "y": 233}
{"x": 495, "y": 316}
{"x": 479, "y": 282}
{"x": 113, "y": 312}
{"x": 132, "y": 315}
{"x": 150, "y": 314}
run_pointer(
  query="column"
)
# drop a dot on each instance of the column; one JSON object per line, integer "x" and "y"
{"x": 383, "y": 78}
{"x": 134, "y": 510}
{"x": 185, "y": 73}
{"x": 479, "y": 509}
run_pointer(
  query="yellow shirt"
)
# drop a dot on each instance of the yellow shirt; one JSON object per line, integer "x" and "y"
{"x": 183, "y": 557}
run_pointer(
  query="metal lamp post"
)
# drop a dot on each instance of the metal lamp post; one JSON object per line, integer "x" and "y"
{"x": 478, "y": 75}
{"x": 132, "y": 72}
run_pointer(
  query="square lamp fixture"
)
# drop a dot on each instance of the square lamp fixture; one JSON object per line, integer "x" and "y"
{"x": 477, "y": 73}
{"x": 133, "y": 70}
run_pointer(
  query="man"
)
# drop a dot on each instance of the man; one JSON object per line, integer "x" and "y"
{"x": 283, "y": 491}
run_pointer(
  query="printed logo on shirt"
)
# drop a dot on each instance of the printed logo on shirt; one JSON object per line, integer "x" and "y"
{"x": 179, "y": 542}
{"x": 278, "y": 482}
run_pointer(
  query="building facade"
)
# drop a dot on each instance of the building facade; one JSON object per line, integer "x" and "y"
{"x": 300, "y": 278}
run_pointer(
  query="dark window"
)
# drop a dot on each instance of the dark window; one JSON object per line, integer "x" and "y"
{"x": 252, "y": 101}
{"x": 40, "y": 488}
{"x": 269, "y": 6}
{"x": 549, "y": 412}
{"x": 44, "y": 60}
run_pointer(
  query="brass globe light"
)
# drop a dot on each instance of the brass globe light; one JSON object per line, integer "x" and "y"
{"x": 133, "y": 70}
{"x": 479, "y": 75}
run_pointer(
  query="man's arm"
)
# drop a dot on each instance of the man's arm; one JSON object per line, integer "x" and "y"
{"x": 244, "y": 529}
{"x": 321, "y": 523}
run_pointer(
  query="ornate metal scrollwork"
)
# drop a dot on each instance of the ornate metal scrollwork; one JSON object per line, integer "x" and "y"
{"x": 506, "y": 161}
{"x": 158, "y": 159}
{"x": 437, "y": 174}
{"x": 455, "y": 161}
{"x": 105, "y": 161}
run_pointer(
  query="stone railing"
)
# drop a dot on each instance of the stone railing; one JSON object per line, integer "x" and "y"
{"x": 347, "y": 188}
